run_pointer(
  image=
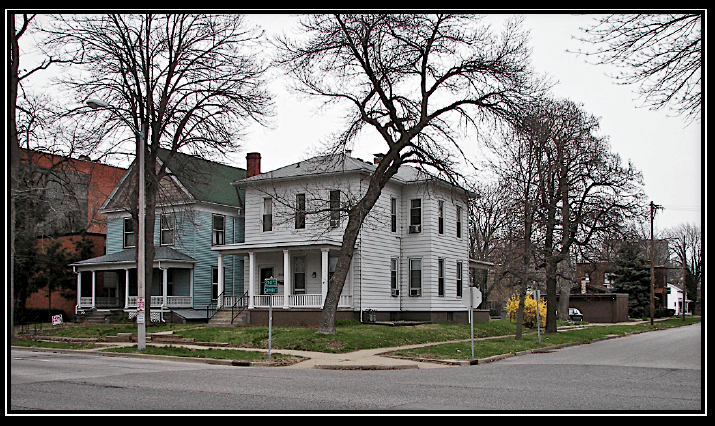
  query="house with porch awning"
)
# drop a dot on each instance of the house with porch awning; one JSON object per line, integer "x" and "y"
{"x": 411, "y": 259}
{"x": 197, "y": 208}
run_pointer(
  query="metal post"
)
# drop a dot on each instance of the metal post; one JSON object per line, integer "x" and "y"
{"x": 471, "y": 316}
{"x": 270, "y": 323}
{"x": 652, "y": 266}
{"x": 141, "y": 248}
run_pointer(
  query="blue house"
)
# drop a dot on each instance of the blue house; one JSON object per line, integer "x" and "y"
{"x": 197, "y": 209}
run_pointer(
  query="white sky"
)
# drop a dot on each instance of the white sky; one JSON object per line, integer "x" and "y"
{"x": 666, "y": 151}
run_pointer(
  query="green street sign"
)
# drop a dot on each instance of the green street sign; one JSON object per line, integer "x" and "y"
{"x": 270, "y": 286}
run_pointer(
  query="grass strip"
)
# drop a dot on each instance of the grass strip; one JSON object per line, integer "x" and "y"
{"x": 507, "y": 345}
{"x": 237, "y": 355}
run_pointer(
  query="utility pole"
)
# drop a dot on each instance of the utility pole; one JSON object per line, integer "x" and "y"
{"x": 653, "y": 208}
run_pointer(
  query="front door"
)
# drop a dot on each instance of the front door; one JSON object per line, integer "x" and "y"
{"x": 266, "y": 272}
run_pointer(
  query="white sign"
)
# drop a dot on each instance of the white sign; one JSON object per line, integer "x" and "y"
{"x": 140, "y": 310}
{"x": 56, "y": 319}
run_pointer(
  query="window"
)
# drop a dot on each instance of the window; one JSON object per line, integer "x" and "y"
{"x": 218, "y": 231}
{"x": 459, "y": 222}
{"x": 459, "y": 279}
{"x": 299, "y": 275}
{"x": 299, "y": 211}
{"x": 440, "y": 225}
{"x": 415, "y": 216}
{"x": 394, "y": 289}
{"x": 334, "y": 208}
{"x": 267, "y": 214}
{"x": 166, "y": 235}
{"x": 332, "y": 264}
{"x": 440, "y": 277}
{"x": 415, "y": 277}
{"x": 393, "y": 214}
{"x": 130, "y": 238}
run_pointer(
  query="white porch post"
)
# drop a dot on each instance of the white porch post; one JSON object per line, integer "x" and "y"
{"x": 79, "y": 289}
{"x": 94, "y": 289}
{"x": 324, "y": 276}
{"x": 286, "y": 278}
{"x": 251, "y": 278}
{"x": 126, "y": 288}
{"x": 164, "y": 279}
{"x": 220, "y": 280}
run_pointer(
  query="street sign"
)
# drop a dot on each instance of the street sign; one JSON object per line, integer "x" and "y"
{"x": 270, "y": 286}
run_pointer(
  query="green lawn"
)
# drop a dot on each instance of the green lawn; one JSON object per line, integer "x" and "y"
{"x": 352, "y": 336}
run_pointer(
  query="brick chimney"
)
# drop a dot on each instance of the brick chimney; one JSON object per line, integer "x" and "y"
{"x": 378, "y": 158}
{"x": 253, "y": 164}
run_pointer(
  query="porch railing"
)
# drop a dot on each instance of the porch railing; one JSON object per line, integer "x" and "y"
{"x": 156, "y": 301}
{"x": 298, "y": 301}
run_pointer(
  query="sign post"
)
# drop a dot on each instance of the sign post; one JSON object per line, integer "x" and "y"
{"x": 270, "y": 286}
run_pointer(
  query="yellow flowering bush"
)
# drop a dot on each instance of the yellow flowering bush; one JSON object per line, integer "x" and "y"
{"x": 512, "y": 308}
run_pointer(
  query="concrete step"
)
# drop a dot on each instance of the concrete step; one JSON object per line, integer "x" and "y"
{"x": 222, "y": 318}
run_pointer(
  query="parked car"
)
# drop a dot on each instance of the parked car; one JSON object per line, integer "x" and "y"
{"x": 575, "y": 314}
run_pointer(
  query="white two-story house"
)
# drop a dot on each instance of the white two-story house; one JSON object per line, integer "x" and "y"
{"x": 411, "y": 258}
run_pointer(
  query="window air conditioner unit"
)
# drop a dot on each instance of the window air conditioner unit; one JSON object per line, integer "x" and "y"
{"x": 415, "y": 292}
{"x": 415, "y": 229}
{"x": 395, "y": 292}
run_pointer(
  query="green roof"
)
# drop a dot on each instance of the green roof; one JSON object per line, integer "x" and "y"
{"x": 206, "y": 180}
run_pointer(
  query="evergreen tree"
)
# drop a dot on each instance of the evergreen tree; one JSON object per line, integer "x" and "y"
{"x": 632, "y": 276}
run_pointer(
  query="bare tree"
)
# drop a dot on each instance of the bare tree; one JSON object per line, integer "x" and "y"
{"x": 662, "y": 53}
{"x": 413, "y": 79}
{"x": 571, "y": 183}
{"x": 685, "y": 241}
{"x": 183, "y": 82}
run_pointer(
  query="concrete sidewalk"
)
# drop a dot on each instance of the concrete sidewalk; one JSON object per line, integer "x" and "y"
{"x": 368, "y": 359}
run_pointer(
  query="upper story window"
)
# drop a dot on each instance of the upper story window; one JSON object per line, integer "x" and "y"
{"x": 440, "y": 224}
{"x": 393, "y": 214}
{"x": 394, "y": 288}
{"x": 218, "y": 231}
{"x": 299, "y": 211}
{"x": 415, "y": 216}
{"x": 130, "y": 237}
{"x": 166, "y": 233}
{"x": 334, "y": 208}
{"x": 267, "y": 214}
{"x": 459, "y": 222}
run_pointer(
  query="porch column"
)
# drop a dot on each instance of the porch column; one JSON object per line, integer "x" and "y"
{"x": 324, "y": 276}
{"x": 251, "y": 278}
{"x": 286, "y": 278}
{"x": 126, "y": 288}
{"x": 94, "y": 289}
{"x": 164, "y": 279}
{"x": 220, "y": 280}
{"x": 79, "y": 289}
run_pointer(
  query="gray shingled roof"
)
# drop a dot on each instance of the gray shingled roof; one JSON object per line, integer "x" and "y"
{"x": 335, "y": 164}
{"x": 129, "y": 255}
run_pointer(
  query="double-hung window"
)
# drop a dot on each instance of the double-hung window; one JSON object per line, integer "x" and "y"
{"x": 299, "y": 211}
{"x": 267, "y": 214}
{"x": 459, "y": 222}
{"x": 299, "y": 275}
{"x": 440, "y": 277}
{"x": 459, "y": 279}
{"x": 415, "y": 277}
{"x": 440, "y": 224}
{"x": 218, "y": 230}
{"x": 415, "y": 216}
{"x": 166, "y": 235}
{"x": 334, "y": 208}
{"x": 130, "y": 237}
{"x": 394, "y": 288}
{"x": 393, "y": 214}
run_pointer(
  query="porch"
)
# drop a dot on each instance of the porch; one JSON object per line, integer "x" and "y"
{"x": 301, "y": 269}
{"x": 110, "y": 281}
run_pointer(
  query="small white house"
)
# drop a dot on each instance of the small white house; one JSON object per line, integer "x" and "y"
{"x": 411, "y": 258}
{"x": 675, "y": 300}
